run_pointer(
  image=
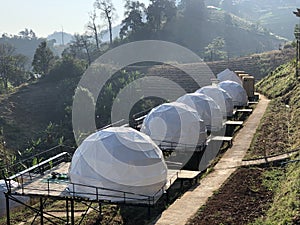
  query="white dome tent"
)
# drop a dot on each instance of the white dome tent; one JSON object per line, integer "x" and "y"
{"x": 236, "y": 91}
{"x": 221, "y": 97}
{"x": 175, "y": 123}
{"x": 12, "y": 204}
{"x": 206, "y": 107}
{"x": 229, "y": 75}
{"x": 120, "y": 159}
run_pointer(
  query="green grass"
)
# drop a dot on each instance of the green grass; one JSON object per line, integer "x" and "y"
{"x": 284, "y": 90}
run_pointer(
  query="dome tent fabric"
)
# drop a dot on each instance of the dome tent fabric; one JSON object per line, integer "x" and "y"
{"x": 121, "y": 159}
{"x": 175, "y": 123}
{"x": 229, "y": 75}
{"x": 206, "y": 107}
{"x": 236, "y": 91}
{"x": 221, "y": 97}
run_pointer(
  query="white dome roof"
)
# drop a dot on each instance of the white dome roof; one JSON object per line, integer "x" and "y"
{"x": 221, "y": 97}
{"x": 229, "y": 75}
{"x": 206, "y": 107}
{"x": 175, "y": 123}
{"x": 236, "y": 91}
{"x": 121, "y": 159}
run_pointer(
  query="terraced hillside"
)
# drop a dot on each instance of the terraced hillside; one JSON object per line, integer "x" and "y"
{"x": 258, "y": 65}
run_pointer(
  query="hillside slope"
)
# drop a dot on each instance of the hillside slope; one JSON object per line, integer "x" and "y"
{"x": 283, "y": 88}
{"x": 26, "y": 114}
{"x": 276, "y": 16}
{"x": 241, "y": 36}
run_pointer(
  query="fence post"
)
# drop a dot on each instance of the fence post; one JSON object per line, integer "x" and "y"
{"x": 72, "y": 212}
{"x": 7, "y": 209}
{"x": 67, "y": 210}
{"x": 149, "y": 210}
{"x": 48, "y": 186}
{"x": 41, "y": 211}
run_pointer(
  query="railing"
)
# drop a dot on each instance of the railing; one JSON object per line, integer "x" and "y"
{"x": 36, "y": 170}
{"x": 169, "y": 146}
{"x": 91, "y": 193}
{"x": 138, "y": 118}
{"x": 113, "y": 195}
{"x": 26, "y": 163}
{"x": 95, "y": 193}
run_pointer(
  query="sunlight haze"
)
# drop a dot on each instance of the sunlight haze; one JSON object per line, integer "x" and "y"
{"x": 44, "y": 17}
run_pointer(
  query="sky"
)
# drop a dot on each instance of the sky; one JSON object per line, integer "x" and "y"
{"x": 46, "y": 16}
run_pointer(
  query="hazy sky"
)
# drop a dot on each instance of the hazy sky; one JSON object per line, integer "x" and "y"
{"x": 46, "y": 16}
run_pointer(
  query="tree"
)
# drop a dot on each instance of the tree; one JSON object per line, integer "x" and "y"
{"x": 107, "y": 11}
{"x": 43, "y": 59}
{"x": 93, "y": 27}
{"x": 133, "y": 22}
{"x": 12, "y": 66}
{"x": 215, "y": 49}
{"x": 193, "y": 10}
{"x": 82, "y": 48}
{"x": 83, "y": 42}
{"x": 160, "y": 12}
{"x": 27, "y": 34}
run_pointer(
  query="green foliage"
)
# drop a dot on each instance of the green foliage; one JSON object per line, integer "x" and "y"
{"x": 190, "y": 24}
{"x": 25, "y": 44}
{"x": 43, "y": 59}
{"x": 279, "y": 82}
{"x": 83, "y": 48}
{"x": 285, "y": 209}
{"x": 109, "y": 92}
{"x": 282, "y": 86}
{"x": 132, "y": 25}
{"x": 215, "y": 49}
{"x": 67, "y": 68}
{"x": 272, "y": 178}
{"x": 159, "y": 13}
{"x": 12, "y": 67}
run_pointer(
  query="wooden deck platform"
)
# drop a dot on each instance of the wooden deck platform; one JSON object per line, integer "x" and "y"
{"x": 244, "y": 110}
{"x": 173, "y": 175}
{"x": 39, "y": 184}
{"x": 221, "y": 138}
{"x": 253, "y": 102}
{"x": 234, "y": 123}
{"x": 43, "y": 185}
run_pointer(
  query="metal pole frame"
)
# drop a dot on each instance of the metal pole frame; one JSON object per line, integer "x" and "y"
{"x": 7, "y": 209}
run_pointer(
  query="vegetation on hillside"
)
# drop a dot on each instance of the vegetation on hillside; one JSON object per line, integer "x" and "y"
{"x": 276, "y": 16}
{"x": 282, "y": 87}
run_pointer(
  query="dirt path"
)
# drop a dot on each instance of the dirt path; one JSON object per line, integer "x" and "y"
{"x": 185, "y": 208}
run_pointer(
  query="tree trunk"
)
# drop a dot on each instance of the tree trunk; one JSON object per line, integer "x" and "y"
{"x": 110, "y": 32}
{"x": 5, "y": 83}
{"x": 109, "y": 26}
{"x": 96, "y": 35}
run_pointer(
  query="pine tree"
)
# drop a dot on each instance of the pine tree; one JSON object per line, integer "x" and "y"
{"x": 43, "y": 59}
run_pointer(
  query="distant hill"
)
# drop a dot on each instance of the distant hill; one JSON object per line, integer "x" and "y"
{"x": 276, "y": 16}
{"x": 61, "y": 38}
{"x": 24, "y": 46}
{"x": 115, "y": 33}
{"x": 242, "y": 37}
